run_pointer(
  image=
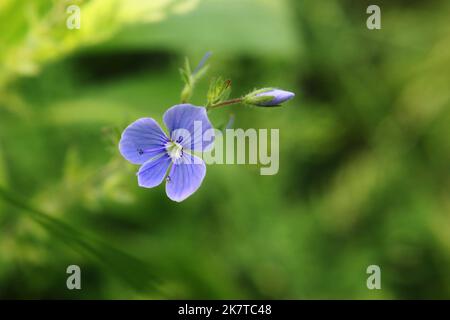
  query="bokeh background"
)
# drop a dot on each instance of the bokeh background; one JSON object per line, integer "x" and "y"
{"x": 364, "y": 150}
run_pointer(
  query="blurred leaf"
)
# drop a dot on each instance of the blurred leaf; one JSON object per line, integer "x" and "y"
{"x": 133, "y": 271}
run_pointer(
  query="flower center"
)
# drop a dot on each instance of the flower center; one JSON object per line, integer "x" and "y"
{"x": 174, "y": 150}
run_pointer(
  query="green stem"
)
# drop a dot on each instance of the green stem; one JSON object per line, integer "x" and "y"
{"x": 224, "y": 103}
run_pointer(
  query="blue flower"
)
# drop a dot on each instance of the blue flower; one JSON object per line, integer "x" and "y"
{"x": 268, "y": 97}
{"x": 144, "y": 142}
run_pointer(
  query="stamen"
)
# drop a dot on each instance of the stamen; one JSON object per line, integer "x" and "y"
{"x": 174, "y": 150}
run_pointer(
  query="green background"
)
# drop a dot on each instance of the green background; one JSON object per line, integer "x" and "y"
{"x": 364, "y": 150}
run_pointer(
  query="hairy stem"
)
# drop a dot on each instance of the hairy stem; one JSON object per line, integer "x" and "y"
{"x": 224, "y": 103}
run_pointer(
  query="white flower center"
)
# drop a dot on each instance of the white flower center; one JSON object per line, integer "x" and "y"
{"x": 174, "y": 150}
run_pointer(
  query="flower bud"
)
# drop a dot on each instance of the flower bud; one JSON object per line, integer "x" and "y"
{"x": 268, "y": 97}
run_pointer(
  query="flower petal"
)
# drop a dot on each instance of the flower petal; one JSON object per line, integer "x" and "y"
{"x": 185, "y": 177}
{"x": 187, "y": 124}
{"x": 142, "y": 140}
{"x": 152, "y": 172}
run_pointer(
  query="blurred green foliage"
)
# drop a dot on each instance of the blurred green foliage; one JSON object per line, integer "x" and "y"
{"x": 364, "y": 150}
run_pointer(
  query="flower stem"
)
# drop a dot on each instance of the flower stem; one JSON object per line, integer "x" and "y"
{"x": 224, "y": 103}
